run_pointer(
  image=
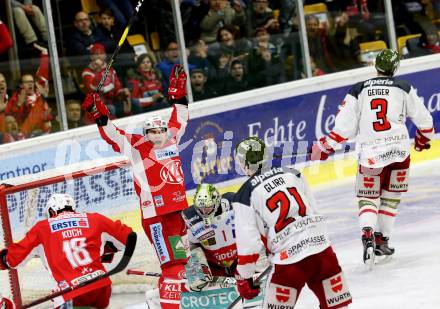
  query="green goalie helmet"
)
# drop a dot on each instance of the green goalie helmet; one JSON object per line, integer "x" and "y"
{"x": 387, "y": 62}
{"x": 250, "y": 151}
{"x": 206, "y": 201}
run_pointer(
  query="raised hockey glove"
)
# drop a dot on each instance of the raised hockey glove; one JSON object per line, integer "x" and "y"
{"x": 247, "y": 288}
{"x": 321, "y": 150}
{"x": 3, "y": 263}
{"x": 177, "y": 87}
{"x": 421, "y": 141}
{"x": 109, "y": 252}
{"x": 97, "y": 109}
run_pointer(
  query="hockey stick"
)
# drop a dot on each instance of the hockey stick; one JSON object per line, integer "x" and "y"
{"x": 308, "y": 153}
{"x": 257, "y": 280}
{"x": 142, "y": 273}
{"x": 121, "y": 41}
{"x": 128, "y": 253}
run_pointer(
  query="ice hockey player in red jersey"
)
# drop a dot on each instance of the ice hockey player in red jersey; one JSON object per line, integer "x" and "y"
{"x": 70, "y": 244}
{"x": 158, "y": 180}
{"x": 375, "y": 112}
{"x": 211, "y": 234}
{"x": 275, "y": 207}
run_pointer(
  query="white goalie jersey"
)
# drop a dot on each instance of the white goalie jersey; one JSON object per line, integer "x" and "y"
{"x": 278, "y": 205}
{"x": 375, "y": 111}
{"x": 218, "y": 238}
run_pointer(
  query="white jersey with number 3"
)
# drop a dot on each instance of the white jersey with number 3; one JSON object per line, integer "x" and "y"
{"x": 278, "y": 206}
{"x": 375, "y": 111}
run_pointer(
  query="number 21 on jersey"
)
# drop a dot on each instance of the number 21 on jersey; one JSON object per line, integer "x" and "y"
{"x": 76, "y": 252}
{"x": 281, "y": 200}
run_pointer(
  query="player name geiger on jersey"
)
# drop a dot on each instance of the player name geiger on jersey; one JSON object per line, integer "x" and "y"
{"x": 379, "y": 91}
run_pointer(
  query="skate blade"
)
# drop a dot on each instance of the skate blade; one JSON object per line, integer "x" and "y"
{"x": 369, "y": 262}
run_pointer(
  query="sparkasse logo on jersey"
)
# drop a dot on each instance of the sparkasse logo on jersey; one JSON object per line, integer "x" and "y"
{"x": 65, "y": 224}
{"x": 172, "y": 172}
{"x": 159, "y": 243}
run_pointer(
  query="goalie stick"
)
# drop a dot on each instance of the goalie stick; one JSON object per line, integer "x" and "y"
{"x": 128, "y": 253}
{"x": 257, "y": 280}
{"x": 121, "y": 41}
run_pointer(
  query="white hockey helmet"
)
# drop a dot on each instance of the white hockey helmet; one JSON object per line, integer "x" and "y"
{"x": 206, "y": 201}
{"x": 155, "y": 122}
{"x": 59, "y": 202}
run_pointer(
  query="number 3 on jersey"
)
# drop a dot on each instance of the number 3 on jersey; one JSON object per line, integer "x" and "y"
{"x": 76, "y": 252}
{"x": 381, "y": 105}
{"x": 282, "y": 201}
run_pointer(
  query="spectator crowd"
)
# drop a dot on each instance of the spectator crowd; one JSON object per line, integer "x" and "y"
{"x": 232, "y": 46}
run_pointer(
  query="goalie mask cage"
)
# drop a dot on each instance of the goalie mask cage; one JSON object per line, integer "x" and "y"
{"x": 104, "y": 186}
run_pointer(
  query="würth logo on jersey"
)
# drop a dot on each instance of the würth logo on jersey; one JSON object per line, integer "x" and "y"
{"x": 282, "y": 294}
{"x": 172, "y": 172}
{"x": 336, "y": 284}
{"x": 368, "y": 182}
{"x": 401, "y": 176}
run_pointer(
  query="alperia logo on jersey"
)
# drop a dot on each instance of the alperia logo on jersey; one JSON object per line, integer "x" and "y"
{"x": 172, "y": 172}
{"x": 59, "y": 225}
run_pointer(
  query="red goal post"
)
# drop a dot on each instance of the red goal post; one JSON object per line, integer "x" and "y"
{"x": 103, "y": 186}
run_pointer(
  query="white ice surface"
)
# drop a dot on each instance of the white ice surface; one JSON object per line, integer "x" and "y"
{"x": 410, "y": 280}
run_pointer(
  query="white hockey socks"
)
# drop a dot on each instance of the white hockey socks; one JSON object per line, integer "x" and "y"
{"x": 388, "y": 209}
{"x": 368, "y": 210}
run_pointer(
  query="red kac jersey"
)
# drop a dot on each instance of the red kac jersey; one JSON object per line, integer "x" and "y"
{"x": 157, "y": 172}
{"x": 70, "y": 246}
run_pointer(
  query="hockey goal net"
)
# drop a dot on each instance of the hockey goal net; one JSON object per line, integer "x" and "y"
{"x": 104, "y": 186}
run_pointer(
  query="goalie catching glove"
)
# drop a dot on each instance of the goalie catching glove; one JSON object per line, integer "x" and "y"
{"x": 97, "y": 109}
{"x": 422, "y": 139}
{"x": 197, "y": 270}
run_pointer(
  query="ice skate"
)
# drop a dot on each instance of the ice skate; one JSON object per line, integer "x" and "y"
{"x": 368, "y": 243}
{"x": 382, "y": 247}
{"x": 382, "y": 251}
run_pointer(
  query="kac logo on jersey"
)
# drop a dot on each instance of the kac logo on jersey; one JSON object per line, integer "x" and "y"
{"x": 65, "y": 224}
{"x": 172, "y": 172}
{"x": 166, "y": 153}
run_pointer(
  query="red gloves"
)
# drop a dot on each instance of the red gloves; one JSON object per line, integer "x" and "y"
{"x": 3, "y": 263}
{"x": 177, "y": 87}
{"x": 421, "y": 141}
{"x": 246, "y": 288}
{"x": 109, "y": 252}
{"x": 94, "y": 105}
{"x": 321, "y": 150}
